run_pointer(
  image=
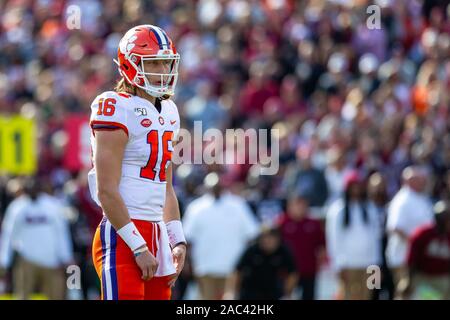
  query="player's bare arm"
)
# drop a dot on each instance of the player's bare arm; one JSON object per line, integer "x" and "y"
{"x": 108, "y": 158}
{"x": 108, "y": 164}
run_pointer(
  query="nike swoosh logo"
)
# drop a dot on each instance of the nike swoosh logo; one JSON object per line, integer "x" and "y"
{"x": 173, "y": 121}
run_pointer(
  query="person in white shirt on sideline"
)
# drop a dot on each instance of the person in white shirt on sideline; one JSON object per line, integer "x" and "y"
{"x": 335, "y": 172}
{"x": 219, "y": 226}
{"x": 36, "y": 242}
{"x": 408, "y": 210}
{"x": 353, "y": 239}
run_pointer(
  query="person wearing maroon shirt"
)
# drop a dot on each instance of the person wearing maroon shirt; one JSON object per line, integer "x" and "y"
{"x": 257, "y": 91}
{"x": 306, "y": 239}
{"x": 429, "y": 257}
{"x": 91, "y": 211}
{"x": 90, "y": 215}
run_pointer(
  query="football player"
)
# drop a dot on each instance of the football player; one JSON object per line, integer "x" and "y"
{"x": 139, "y": 247}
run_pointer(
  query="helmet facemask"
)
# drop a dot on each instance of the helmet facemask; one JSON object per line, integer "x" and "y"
{"x": 167, "y": 81}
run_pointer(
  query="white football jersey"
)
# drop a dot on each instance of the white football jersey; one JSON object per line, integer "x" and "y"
{"x": 147, "y": 153}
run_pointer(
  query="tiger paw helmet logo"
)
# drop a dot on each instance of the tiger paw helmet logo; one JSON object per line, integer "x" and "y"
{"x": 127, "y": 43}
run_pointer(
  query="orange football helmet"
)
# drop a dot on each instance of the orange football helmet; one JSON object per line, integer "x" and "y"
{"x": 143, "y": 43}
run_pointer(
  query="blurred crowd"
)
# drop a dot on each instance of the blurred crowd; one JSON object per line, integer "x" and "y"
{"x": 363, "y": 119}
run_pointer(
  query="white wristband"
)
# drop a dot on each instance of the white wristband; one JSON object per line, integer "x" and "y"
{"x": 175, "y": 232}
{"x": 130, "y": 234}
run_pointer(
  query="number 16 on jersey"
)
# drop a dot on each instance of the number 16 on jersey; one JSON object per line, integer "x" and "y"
{"x": 151, "y": 170}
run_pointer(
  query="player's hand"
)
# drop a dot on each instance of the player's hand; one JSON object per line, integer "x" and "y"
{"x": 178, "y": 255}
{"x": 148, "y": 264}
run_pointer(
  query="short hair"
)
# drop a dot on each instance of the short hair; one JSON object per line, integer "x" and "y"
{"x": 295, "y": 195}
{"x": 412, "y": 171}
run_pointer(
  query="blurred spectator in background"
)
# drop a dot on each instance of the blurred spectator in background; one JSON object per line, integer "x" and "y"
{"x": 88, "y": 217}
{"x": 335, "y": 172}
{"x": 218, "y": 226}
{"x": 306, "y": 239}
{"x": 378, "y": 199}
{"x": 204, "y": 107}
{"x": 187, "y": 191}
{"x": 267, "y": 205}
{"x": 429, "y": 259}
{"x": 304, "y": 178}
{"x": 259, "y": 88}
{"x": 408, "y": 210}
{"x": 353, "y": 238}
{"x": 12, "y": 189}
{"x": 266, "y": 270}
{"x": 36, "y": 241}
{"x": 82, "y": 200}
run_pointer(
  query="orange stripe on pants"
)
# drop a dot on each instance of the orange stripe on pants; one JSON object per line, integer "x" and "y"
{"x": 116, "y": 267}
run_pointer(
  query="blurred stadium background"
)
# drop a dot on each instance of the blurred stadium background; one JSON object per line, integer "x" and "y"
{"x": 344, "y": 97}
